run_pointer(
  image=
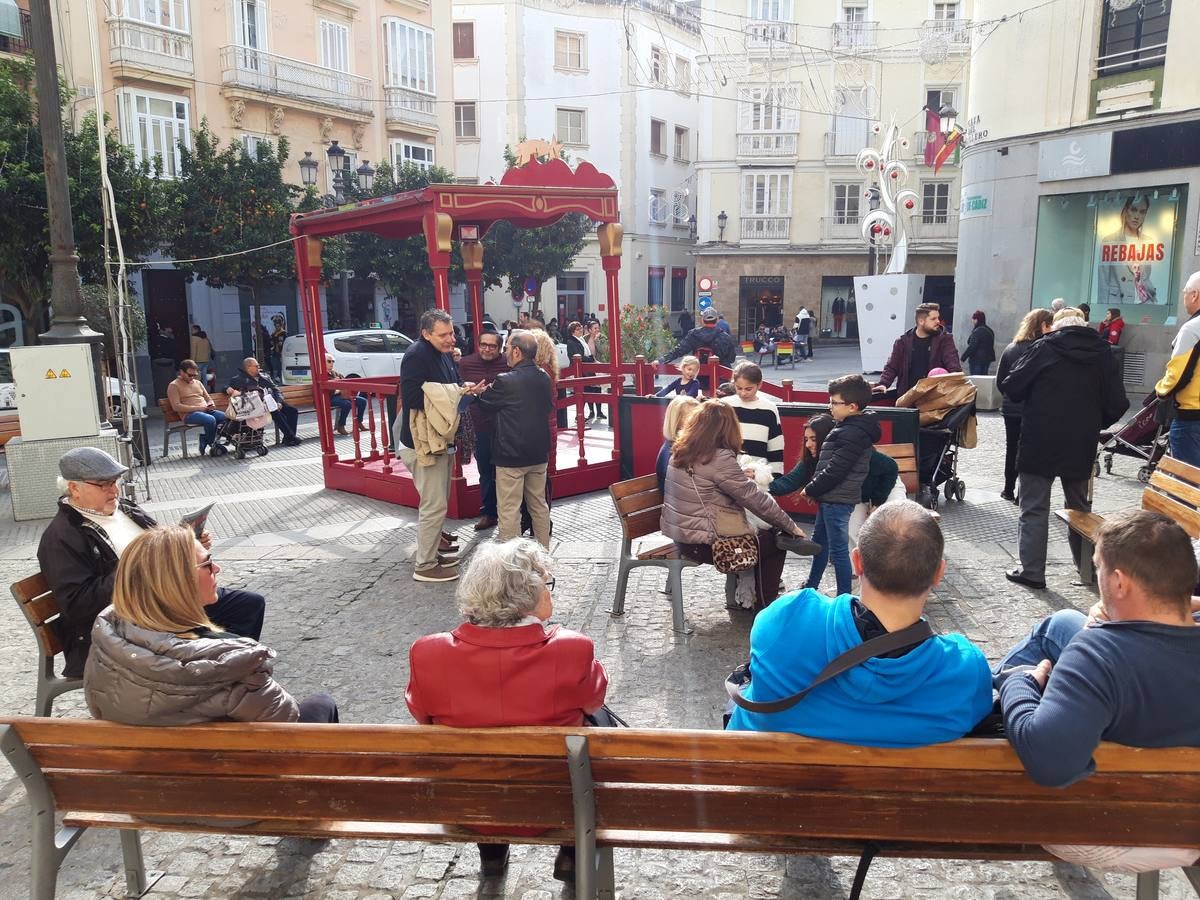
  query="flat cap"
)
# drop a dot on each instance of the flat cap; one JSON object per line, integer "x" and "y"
{"x": 90, "y": 464}
{"x": 710, "y": 315}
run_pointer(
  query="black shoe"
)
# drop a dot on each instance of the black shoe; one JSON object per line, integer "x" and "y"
{"x": 1009, "y": 496}
{"x": 564, "y": 865}
{"x": 291, "y": 442}
{"x": 801, "y": 546}
{"x": 493, "y": 860}
{"x": 1016, "y": 577}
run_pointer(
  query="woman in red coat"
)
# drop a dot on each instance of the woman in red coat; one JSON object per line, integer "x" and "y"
{"x": 504, "y": 665}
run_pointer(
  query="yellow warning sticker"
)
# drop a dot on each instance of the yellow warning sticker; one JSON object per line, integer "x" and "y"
{"x": 64, "y": 374}
{"x": 50, "y": 374}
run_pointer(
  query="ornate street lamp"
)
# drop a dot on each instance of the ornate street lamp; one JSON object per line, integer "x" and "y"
{"x": 722, "y": 221}
{"x": 947, "y": 117}
{"x": 308, "y": 169}
{"x": 337, "y": 166}
{"x": 366, "y": 176}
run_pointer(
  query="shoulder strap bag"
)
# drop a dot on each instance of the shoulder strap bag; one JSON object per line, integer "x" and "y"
{"x": 914, "y": 634}
{"x": 736, "y": 547}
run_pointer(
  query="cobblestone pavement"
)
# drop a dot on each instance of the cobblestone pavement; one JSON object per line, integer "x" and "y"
{"x": 342, "y": 611}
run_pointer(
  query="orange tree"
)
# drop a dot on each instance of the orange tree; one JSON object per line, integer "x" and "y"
{"x": 645, "y": 331}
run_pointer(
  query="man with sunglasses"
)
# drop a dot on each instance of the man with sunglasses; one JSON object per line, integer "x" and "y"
{"x": 483, "y": 367}
{"x": 80, "y": 547}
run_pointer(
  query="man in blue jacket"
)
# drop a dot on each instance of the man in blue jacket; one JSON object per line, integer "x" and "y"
{"x": 935, "y": 691}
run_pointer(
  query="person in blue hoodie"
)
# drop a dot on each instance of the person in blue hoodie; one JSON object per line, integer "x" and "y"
{"x": 935, "y": 691}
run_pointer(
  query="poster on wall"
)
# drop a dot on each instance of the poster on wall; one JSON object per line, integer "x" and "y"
{"x": 1133, "y": 256}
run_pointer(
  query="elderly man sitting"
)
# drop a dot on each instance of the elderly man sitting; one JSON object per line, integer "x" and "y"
{"x": 80, "y": 547}
{"x": 251, "y": 378}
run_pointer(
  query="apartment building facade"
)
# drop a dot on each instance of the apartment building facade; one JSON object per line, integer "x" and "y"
{"x": 374, "y": 76}
{"x": 795, "y": 89}
{"x": 1083, "y": 181}
{"x": 616, "y": 86}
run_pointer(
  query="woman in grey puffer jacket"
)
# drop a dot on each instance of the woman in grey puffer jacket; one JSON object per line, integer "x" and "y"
{"x": 156, "y": 659}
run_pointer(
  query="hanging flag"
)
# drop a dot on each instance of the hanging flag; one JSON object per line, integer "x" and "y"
{"x": 935, "y": 138}
{"x": 948, "y": 149}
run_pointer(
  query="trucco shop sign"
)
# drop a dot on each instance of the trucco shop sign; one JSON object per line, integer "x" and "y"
{"x": 976, "y": 201}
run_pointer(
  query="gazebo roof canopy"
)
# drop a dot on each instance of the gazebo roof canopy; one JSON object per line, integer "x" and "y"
{"x": 530, "y": 196}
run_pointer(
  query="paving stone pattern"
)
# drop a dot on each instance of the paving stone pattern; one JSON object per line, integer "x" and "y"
{"x": 343, "y": 611}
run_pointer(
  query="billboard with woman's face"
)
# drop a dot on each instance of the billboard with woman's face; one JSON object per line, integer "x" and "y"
{"x": 1134, "y": 234}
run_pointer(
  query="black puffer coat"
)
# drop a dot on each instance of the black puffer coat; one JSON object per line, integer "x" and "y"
{"x": 521, "y": 400}
{"x": 1012, "y": 354}
{"x": 845, "y": 460}
{"x": 1071, "y": 389}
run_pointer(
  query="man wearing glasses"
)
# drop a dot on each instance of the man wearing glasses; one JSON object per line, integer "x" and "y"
{"x": 80, "y": 547}
{"x": 483, "y": 367}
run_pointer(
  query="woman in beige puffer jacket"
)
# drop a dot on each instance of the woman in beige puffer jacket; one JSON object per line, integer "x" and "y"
{"x": 156, "y": 659}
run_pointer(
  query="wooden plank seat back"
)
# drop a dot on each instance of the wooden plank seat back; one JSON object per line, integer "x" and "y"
{"x": 697, "y": 790}
{"x": 10, "y": 427}
{"x": 905, "y": 456}
{"x": 41, "y": 610}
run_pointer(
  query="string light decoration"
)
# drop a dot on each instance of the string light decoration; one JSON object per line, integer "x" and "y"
{"x": 887, "y": 174}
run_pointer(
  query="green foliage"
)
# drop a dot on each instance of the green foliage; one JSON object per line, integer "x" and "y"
{"x": 230, "y": 202}
{"x": 145, "y": 204}
{"x": 96, "y": 311}
{"x": 645, "y": 331}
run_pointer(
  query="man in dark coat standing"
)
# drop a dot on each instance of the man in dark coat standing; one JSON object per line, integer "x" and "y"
{"x": 980, "y": 351}
{"x": 1071, "y": 390}
{"x": 484, "y": 366}
{"x": 707, "y": 339}
{"x": 923, "y": 347}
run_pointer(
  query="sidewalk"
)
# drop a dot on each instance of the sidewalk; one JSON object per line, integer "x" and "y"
{"x": 343, "y": 610}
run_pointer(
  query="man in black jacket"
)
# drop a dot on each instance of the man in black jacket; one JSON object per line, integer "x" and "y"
{"x": 80, "y": 547}
{"x": 251, "y": 378}
{"x": 1071, "y": 390}
{"x": 705, "y": 340}
{"x": 522, "y": 400}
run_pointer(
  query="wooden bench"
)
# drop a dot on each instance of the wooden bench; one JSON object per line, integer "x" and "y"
{"x": 596, "y": 788}
{"x": 639, "y": 505}
{"x": 40, "y": 609}
{"x": 1173, "y": 491}
{"x": 10, "y": 427}
{"x": 300, "y": 396}
{"x": 905, "y": 456}
{"x": 173, "y": 422}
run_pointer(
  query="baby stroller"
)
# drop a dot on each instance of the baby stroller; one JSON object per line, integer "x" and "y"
{"x": 938, "y": 464}
{"x": 1141, "y": 438}
{"x": 245, "y": 420}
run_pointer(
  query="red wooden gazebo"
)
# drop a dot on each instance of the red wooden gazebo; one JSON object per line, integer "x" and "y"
{"x": 530, "y": 196}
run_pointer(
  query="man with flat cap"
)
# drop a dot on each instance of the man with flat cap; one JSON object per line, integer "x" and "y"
{"x": 80, "y": 547}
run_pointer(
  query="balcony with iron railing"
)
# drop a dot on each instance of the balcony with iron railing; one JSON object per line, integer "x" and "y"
{"x": 279, "y": 76}
{"x": 150, "y": 48}
{"x": 854, "y": 35}
{"x": 403, "y": 106}
{"x": 767, "y": 34}
{"x": 773, "y": 145}
{"x": 1146, "y": 57}
{"x": 18, "y": 45}
{"x": 934, "y": 226}
{"x": 758, "y": 228}
{"x": 957, "y": 32}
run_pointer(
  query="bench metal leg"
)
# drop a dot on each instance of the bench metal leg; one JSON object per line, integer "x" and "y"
{"x": 675, "y": 588}
{"x": 166, "y": 440}
{"x": 623, "y": 567}
{"x": 606, "y": 888}
{"x": 731, "y": 582}
{"x": 1087, "y": 571}
{"x": 1192, "y": 874}
{"x": 1147, "y": 885}
{"x": 137, "y": 880}
{"x": 590, "y": 874}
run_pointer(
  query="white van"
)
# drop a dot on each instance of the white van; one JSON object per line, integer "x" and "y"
{"x": 357, "y": 353}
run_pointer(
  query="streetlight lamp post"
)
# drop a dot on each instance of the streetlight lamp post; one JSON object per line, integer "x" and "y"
{"x": 722, "y": 221}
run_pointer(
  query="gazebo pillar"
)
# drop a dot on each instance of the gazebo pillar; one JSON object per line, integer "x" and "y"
{"x": 308, "y": 269}
{"x": 611, "y": 236}
{"x": 438, "y": 228}
{"x": 472, "y": 255}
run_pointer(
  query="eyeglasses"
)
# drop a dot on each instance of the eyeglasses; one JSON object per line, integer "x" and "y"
{"x": 840, "y": 403}
{"x": 483, "y": 346}
{"x": 207, "y": 564}
{"x": 103, "y": 485}
{"x": 550, "y": 584}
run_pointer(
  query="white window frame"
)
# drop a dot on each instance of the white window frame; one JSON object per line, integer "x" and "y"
{"x": 418, "y": 153}
{"x": 409, "y": 56}
{"x": 659, "y": 60}
{"x": 952, "y": 90}
{"x": 562, "y": 61}
{"x": 769, "y": 10}
{"x": 657, "y": 211}
{"x": 686, "y": 135}
{"x": 334, "y": 41}
{"x": 853, "y": 12}
{"x": 173, "y": 15}
{"x": 564, "y": 134}
{"x": 942, "y": 6}
{"x": 250, "y": 143}
{"x": 460, "y": 121}
{"x": 939, "y": 214}
{"x": 661, "y": 127}
{"x": 849, "y": 191}
{"x": 181, "y": 128}
{"x": 247, "y": 32}
{"x": 767, "y": 192}
{"x": 768, "y": 109}
{"x": 683, "y": 74}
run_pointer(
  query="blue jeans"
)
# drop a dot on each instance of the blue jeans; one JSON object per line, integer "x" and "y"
{"x": 209, "y": 422}
{"x": 978, "y": 368}
{"x": 342, "y": 405}
{"x": 1046, "y": 641}
{"x": 1185, "y": 441}
{"x": 487, "y": 474}
{"x": 832, "y": 532}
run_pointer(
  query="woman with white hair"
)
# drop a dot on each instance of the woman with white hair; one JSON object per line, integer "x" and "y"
{"x": 505, "y": 665}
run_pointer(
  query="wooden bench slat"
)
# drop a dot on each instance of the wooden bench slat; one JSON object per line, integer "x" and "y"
{"x": 1175, "y": 488}
{"x": 635, "y": 503}
{"x": 638, "y": 485}
{"x": 1179, "y": 468}
{"x": 1188, "y": 518}
{"x": 666, "y": 551}
{"x": 640, "y": 524}
{"x": 1086, "y": 523}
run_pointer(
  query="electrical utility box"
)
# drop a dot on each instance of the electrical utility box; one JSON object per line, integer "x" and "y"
{"x": 56, "y": 391}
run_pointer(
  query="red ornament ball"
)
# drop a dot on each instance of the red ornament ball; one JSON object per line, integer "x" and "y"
{"x": 909, "y": 204}
{"x": 870, "y": 163}
{"x": 895, "y": 174}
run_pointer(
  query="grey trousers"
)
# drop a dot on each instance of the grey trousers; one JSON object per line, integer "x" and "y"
{"x": 514, "y": 484}
{"x": 1033, "y": 529}
{"x": 433, "y": 484}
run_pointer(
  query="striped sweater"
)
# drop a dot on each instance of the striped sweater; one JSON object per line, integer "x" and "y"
{"x": 762, "y": 431}
{"x": 1188, "y": 397}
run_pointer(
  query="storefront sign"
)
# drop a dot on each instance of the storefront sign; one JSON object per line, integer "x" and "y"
{"x": 1081, "y": 156}
{"x": 1134, "y": 245}
{"x": 976, "y": 201}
